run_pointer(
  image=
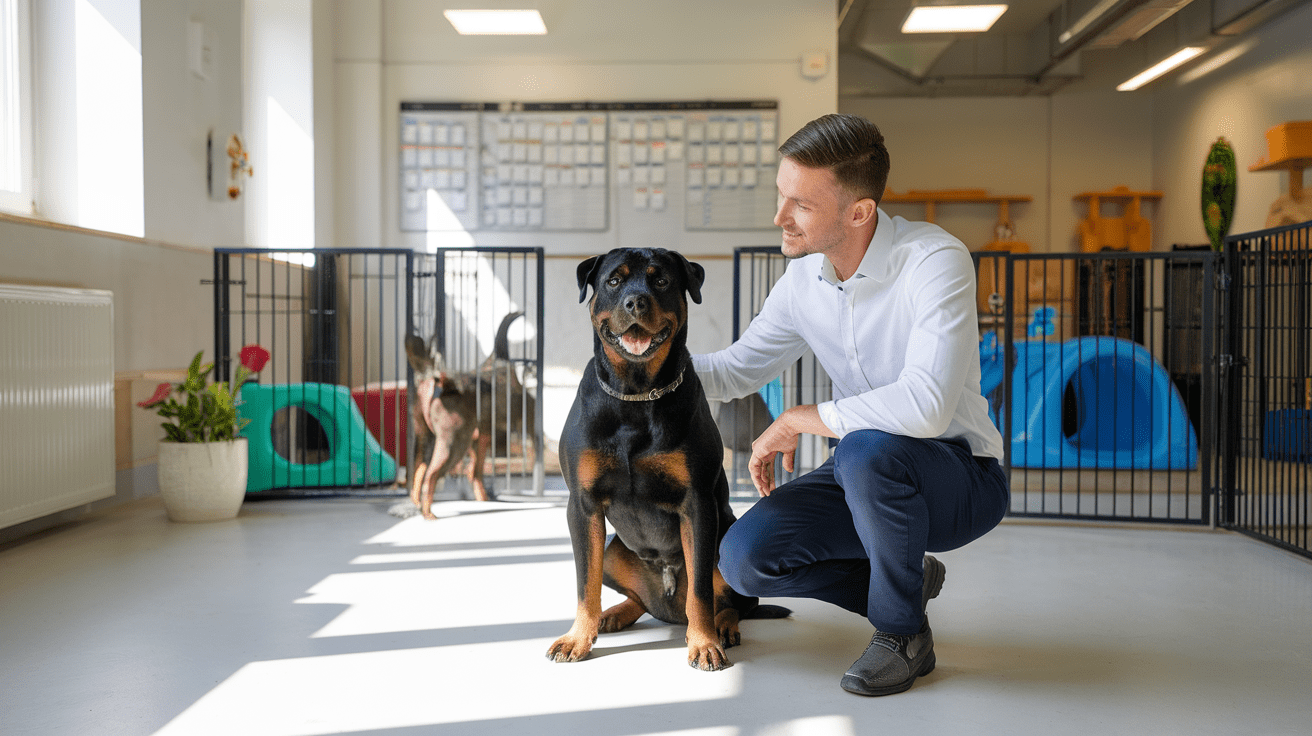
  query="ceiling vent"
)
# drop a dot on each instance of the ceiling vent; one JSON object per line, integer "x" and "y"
{"x": 1137, "y": 22}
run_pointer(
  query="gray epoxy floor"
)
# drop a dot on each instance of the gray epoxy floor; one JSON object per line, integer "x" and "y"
{"x": 330, "y": 616}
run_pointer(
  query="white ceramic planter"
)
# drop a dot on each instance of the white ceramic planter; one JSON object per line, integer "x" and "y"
{"x": 203, "y": 481}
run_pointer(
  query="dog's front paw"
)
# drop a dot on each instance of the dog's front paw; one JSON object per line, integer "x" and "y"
{"x": 570, "y": 648}
{"x": 707, "y": 655}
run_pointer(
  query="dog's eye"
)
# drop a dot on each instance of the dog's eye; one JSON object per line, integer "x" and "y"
{"x": 613, "y": 281}
{"x": 662, "y": 282}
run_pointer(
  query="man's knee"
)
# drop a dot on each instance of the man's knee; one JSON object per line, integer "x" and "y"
{"x": 872, "y": 454}
{"x": 740, "y": 560}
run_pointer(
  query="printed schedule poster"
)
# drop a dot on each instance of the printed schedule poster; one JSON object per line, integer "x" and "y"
{"x": 649, "y": 169}
{"x": 732, "y": 159}
{"x": 440, "y": 166}
{"x": 544, "y": 167}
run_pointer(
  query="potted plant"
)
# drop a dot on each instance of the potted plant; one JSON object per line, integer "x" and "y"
{"x": 202, "y": 462}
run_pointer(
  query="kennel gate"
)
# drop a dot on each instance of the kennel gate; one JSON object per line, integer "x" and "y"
{"x": 1265, "y": 370}
{"x": 335, "y": 320}
{"x": 755, "y": 270}
{"x": 1099, "y": 304}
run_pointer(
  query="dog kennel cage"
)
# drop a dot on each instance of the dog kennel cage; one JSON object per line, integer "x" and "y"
{"x": 335, "y": 322}
{"x": 1265, "y": 375}
{"x": 1164, "y": 387}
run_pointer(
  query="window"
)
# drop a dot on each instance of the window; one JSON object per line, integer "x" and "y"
{"x": 110, "y": 191}
{"x": 15, "y": 108}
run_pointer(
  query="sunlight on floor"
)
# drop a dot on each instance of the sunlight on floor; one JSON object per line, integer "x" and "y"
{"x": 471, "y": 570}
{"x": 462, "y": 554}
{"x": 429, "y": 686}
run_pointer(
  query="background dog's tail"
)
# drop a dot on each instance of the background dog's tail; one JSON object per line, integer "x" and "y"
{"x": 766, "y": 610}
{"x": 501, "y": 346}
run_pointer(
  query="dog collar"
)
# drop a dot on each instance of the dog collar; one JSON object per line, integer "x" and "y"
{"x": 651, "y": 395}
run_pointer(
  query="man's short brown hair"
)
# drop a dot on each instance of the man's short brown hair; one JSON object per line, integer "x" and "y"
{"x": 848, "y": 145}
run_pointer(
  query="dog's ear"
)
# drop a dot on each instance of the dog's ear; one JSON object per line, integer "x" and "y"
{"x": 586, "y": 271}
{"x": 695, "y": 275}
{"x": 417, "y": 353}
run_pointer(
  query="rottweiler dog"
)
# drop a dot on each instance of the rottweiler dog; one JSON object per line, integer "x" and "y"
{"x": 641, "y": 450}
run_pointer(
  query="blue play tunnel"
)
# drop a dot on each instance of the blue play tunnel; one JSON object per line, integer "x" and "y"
{"x": 1090, "y": 402}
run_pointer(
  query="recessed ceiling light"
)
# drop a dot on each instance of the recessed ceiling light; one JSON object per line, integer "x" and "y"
{"x": 1160, "y": 68}
{"x": 952, "y": 18}
{"x": 496, "y": 22}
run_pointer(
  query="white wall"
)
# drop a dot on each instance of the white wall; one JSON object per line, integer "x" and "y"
{"x": 162, "y": 312}
{"x": 180, "y": 110}
{"x": 1090, "y": 137}
{"x": 1048, "y": 148}
{"x": 593, "y": 51}
{"x": 1266, "y": 83}
{"x": 280, "y": 123}
{"x": 389, "y": 51}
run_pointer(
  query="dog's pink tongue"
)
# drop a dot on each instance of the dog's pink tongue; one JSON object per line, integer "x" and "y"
{"x": 635, "y": 345}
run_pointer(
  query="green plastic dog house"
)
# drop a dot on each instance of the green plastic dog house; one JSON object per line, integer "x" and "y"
{"x": 355, "y": 457}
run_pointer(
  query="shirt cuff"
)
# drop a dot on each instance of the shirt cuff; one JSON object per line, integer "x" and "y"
{"x": 829, "y": 415}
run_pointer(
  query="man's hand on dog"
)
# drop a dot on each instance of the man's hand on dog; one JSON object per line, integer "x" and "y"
{"x": 781, "y": 438}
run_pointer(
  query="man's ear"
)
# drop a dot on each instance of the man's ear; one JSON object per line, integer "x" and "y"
{"x": 864, "y": 211}
{"x": 586, "y": 271}
{"x": 695, "y": 275}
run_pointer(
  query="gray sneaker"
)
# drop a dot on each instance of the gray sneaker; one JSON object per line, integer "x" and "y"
{"x": 891, "y": 663}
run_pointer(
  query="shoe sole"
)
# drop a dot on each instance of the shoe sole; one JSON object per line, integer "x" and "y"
{"x": 857, "y": 686}
{"x": 935, "y": 573}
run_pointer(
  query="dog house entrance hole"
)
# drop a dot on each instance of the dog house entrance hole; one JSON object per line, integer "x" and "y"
{"x": 298, "y": 437}
{"x": 1105, "y": 406}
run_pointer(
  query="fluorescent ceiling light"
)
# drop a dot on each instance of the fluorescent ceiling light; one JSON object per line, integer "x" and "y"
{"x": 1160, "y": 68}
{"x": 952, "y": 18}
{"x": 496, "y": 22}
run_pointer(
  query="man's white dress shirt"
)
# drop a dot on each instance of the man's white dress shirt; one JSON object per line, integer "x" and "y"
{"x": 899, "y": 339}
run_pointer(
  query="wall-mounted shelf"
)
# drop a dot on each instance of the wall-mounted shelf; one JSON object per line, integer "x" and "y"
{"x": 1294, "y": 165}
{"x": 1289, "y": 148}
{"x": 931, "y": 198}
{"x": 1130, "y": 231}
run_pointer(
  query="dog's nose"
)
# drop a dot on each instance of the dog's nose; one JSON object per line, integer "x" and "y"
{"x": 636, "y": 304}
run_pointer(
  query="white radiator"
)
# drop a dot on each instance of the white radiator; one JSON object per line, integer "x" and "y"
{"x": 56, "y": 400}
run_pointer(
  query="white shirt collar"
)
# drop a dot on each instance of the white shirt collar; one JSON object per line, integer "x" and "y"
{"x": 874, "y": 264}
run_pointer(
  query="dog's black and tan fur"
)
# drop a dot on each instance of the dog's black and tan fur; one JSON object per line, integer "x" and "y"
{"x": 652, "y": 467}
{"x": 455, "y": 415}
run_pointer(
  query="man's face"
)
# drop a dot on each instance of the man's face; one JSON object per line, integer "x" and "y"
{"x": 813, "y": 209}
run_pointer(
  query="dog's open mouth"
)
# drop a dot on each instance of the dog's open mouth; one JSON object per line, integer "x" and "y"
{"x": 638, "y": 342}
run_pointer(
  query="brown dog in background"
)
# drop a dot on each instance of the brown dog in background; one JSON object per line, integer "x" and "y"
{"x": 456, "y": 414}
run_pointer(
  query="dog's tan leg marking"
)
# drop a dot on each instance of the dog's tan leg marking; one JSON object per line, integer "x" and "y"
{"x": 577, "y": 642}
{"x": 726, "y": 616}
{"x": 446, "y": 426}
{"x": 432, "y": 474}
{"x": 623, "y": 571}
{"x": 704, "y": 649}
{"x": 478, "y": 451}
{"x": 417, "y": 481}
{"x": 590, "y": 466}
{"x": 621, "y": 615}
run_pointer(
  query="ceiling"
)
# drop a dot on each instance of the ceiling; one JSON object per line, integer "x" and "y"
{"x": 1033, "y": 49}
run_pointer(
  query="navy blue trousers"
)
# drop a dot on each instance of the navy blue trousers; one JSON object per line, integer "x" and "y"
{"x": 854, "y": 531}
